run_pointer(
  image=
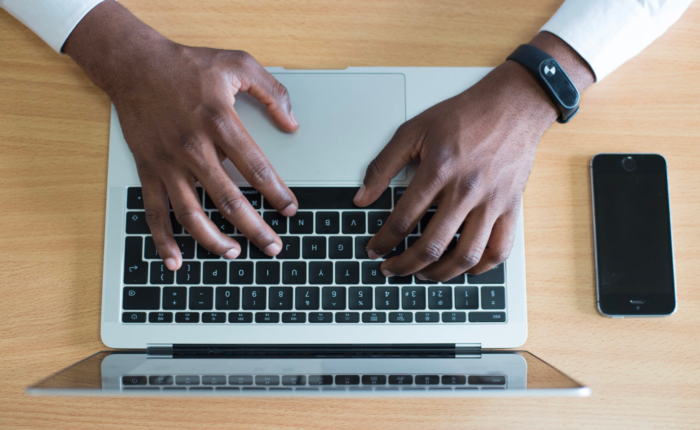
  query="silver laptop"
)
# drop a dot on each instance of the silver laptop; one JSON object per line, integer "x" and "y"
{"x": 318, "y": 295}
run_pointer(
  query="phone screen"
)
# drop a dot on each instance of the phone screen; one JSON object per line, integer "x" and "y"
{"x": 633, "y": 234}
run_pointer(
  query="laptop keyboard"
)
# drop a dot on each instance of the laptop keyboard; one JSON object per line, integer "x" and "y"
{"x": 322, "y": 274}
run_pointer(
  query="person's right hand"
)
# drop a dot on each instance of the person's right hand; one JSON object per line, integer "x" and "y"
{"x": 175, "y": 106}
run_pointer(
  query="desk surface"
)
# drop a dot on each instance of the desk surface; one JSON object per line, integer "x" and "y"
{"x": 53, "y": 171}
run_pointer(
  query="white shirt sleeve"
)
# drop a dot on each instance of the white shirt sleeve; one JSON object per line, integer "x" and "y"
{"x": 52, "y": 20}
{"x": 606, "y": 33}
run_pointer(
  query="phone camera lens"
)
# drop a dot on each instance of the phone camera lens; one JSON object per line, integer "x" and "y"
{"x": 629, "y": 164}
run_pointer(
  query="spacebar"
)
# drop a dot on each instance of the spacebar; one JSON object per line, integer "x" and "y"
{"x": 333, "y": 198}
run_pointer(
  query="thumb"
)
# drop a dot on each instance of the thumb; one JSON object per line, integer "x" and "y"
{"x": 394, "y": 157}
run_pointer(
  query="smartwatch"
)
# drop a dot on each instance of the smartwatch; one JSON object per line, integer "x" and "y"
{"x": 551, "y": 77}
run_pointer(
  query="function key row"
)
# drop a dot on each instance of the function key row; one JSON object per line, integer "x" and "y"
{"x": 314, "y": 317}
{"x": 306, "y": 298}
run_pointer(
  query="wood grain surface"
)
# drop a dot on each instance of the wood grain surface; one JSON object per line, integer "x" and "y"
{"x": 644, "y": 373}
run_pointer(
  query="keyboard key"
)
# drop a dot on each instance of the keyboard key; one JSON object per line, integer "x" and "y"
{"x": 386, "y": 297}
{"x": 257, "y": 253}
{"x": 427, "y": 379}
{"x": 215, "y": 273}
{"x": 134, "y": 380}
{"x": 177, "y": 228}
{"x": 204, "y": 254}
{"x": 347, "y": 317}
{"x": 174, "y": 298}
{"x": 240, "y": 317}
{"x": 373, "y": 317}
{"x": 200, "y": 194}
{"x": 294, "y": 272}
{"x": 187, "y": 380}
{"x": 281, "y": 298}
{"x": 320, "y": 379}
{"x": 134, "y": 198}
{"x": 293, "y": 317}
{"x": 267, "y": 380}
{"x": 347, "y": 272}
{"x": 187, "y": 317}
{"x": 150, "y": 252}
{"x": 493, "y": 298}
{"x": 290, "y": 248}
{"x": 201, "y": 298}
{"x": 254, "y": 298}
{"x": 413, "y": 297}
{"x": 188, "y": 273}
{"x": 372, "y": 273}
{"x": 208, "y": 201}
{"x": 487, "y": 380}
{"x": 425, "y": 220}
{"x": 333, "y": 198}
{"x": 135, "y": 269}
{"x": 136, "y": 223}
{"x": 327, "y": 222}
{"x": 141, "y": 298}
{"x": 186, "y": 245}
{"x": 160, "y": 274}
{"x": 214, "y": 380}
{"x": 241, "y": 272}
{"x": 243, "y": 241}
{"x": 267, "y": 317}
{"x": 427, "y": 317}
{"x": 302, "y": 223}
{"x": 340, "y": 247}
{"x": 458, "y": 317}
{"x": 160, "y": 380}
{"x": 222, "y": 223}
{"x": 360, "y": 298}
{"x": 253, "y": 196}
{"x": 227, "y": 298}
{"x": 400, "y": 379}
{"x": 467, "y": 297}
{"x": 307, "y": 298}
{"x": 314, "y": 248}
{"x": 361, "y": 247}
{"x": 454, "y": 379}
{"x": 440, "y": 297}
{"x": 397, "y": 250}
{"x": 160, "y": 317}
{"x": 334, "y": 298}
{"x": 377, "y": 220}
{"x": 134, "y": 317}
{"x": 214, "y": 317}
{"x": 400, "y": 317}
{"x": 240, "y": 380}
{"x": 294, "y": 380}
{"x": 267, "y": 273}
{"x": 321, "y": 273}
{"x": 354, "y": 223}
{"x": 373, "y": 379}
{"x": 459, "y": 279}
{"x": 320, "y": 317}
{"x": 347, "y": 379}
{"x": 276, "y": 221}
{"x": 401, "y": 280}
{"x": 496, "y": 275}
{"x": 487, "y": 317}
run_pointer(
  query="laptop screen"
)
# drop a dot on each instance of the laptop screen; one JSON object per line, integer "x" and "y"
{"x": 516, "y": 373}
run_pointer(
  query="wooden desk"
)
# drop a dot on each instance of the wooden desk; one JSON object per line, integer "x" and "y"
{"x": 53, "y": 171}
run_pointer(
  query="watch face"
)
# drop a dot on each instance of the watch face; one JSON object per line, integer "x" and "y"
{"x": 559, "y": 83}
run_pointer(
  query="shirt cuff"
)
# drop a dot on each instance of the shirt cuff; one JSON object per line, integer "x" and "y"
{"x": 52, "y": 20}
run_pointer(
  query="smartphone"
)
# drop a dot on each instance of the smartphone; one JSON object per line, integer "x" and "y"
{"x": 632, "y": 235}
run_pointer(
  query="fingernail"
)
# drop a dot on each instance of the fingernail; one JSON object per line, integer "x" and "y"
{"x": 289, "y": 210}
{"x": 387, "y": 274}
{"x": 373, "y": 255}
{"x": 360, "y": 193}
{"x": 421, "y": 277}
{"x": 272, "y": 249}
{"x": 232, "y": 253}
{"x": 294, "y": 119}
{"x": 171, "y": 264}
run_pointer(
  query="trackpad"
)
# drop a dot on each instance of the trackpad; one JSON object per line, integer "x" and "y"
{"x": 345, "y": 120}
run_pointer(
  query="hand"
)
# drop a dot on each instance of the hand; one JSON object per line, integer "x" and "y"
{"x": 475, "y": 152}
{"x": 175, "y": 106}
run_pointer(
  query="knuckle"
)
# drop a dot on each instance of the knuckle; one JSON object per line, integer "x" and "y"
{"x": 375, "y": 168}
{"x": 190, "y": 145}
{"x": 155, "y": 217}
{"x": 430, "y": 252}
{"x": 280, "y": 92}
{"x": 232, "y": 207}
{"x": 469, "y": 185}
{"x": 244, "y": 59}
{"x": 260, "y": 172}
{"x": 467, "y": 260}
{"x": 187, "y": 216}
{"x": 220, "y": 124}
{"x": 399, "y": 227}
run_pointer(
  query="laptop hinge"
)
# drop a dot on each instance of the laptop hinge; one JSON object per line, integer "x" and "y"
{"x": 314, "y": 351}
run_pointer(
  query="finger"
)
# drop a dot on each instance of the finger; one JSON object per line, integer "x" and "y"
{"x": 189, "y": 213}
{"x": 500, "y": 243}
{"x": 245, "y": 154}
{"x": 469, "y": 250}
{"x": 394, "y": 157}
{"x": 236, "y": 208}
{"x": 155, "y": 201}
{"x": 409, "y": 210}
{"x": 260, "y": 84}
{"x": 432, "y": 244}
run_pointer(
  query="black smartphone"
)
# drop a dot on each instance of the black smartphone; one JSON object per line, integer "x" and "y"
{"x": 632, "y": 235}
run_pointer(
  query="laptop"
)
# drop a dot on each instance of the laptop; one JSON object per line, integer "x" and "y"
{"x": 320, "y": 309}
